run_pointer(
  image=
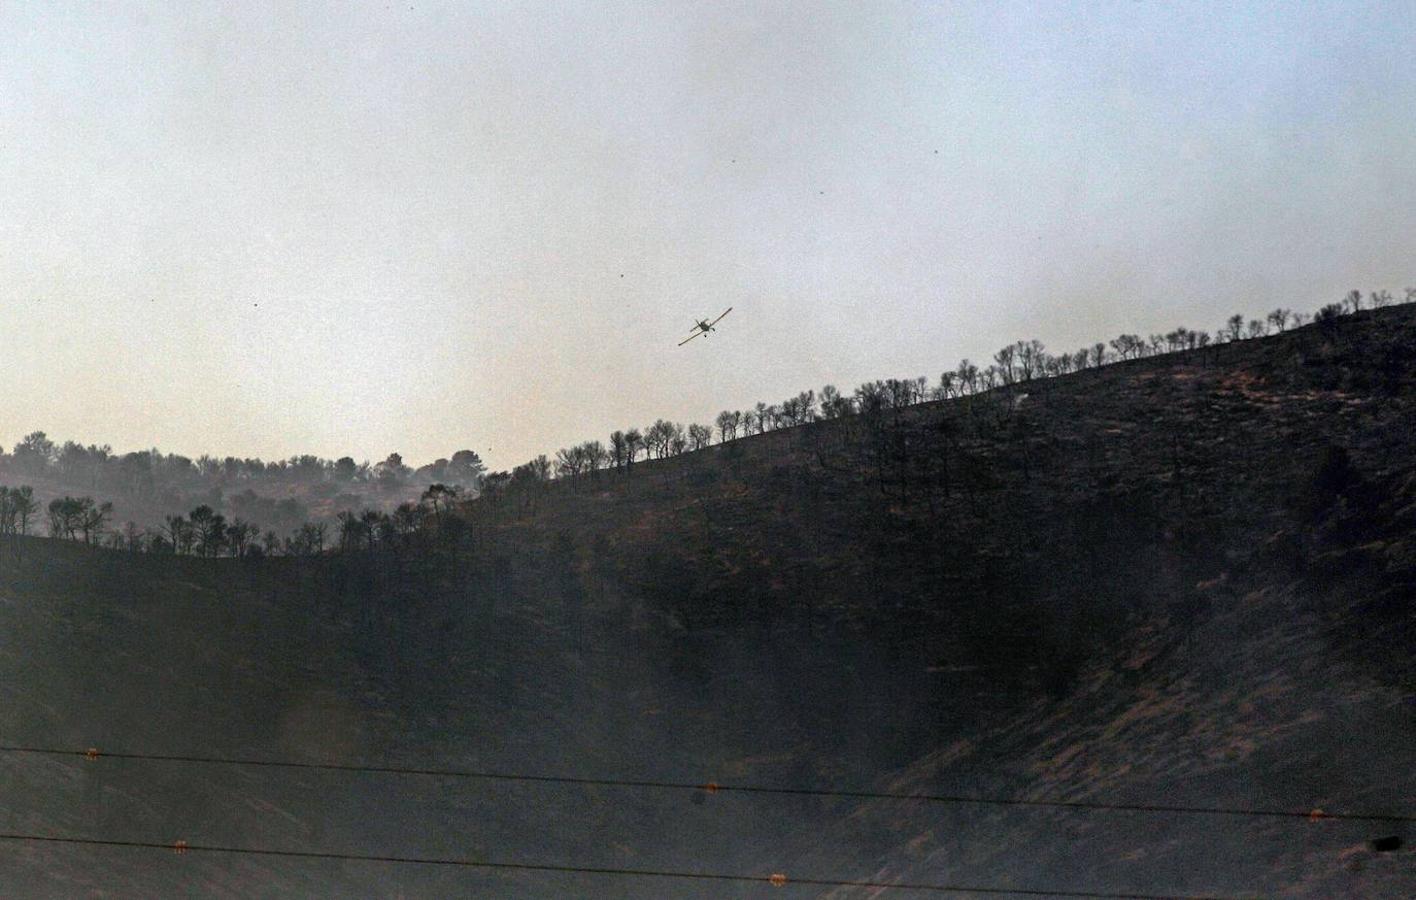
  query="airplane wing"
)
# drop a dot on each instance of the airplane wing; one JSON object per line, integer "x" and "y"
{"x": 690, "y": 337}
{"x": 720, "y": 318}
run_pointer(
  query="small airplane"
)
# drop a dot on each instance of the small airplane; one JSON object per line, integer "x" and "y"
{"x": 702, "y": 327}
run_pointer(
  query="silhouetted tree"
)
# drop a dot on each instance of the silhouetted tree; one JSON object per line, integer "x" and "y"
{"x": 70, "y": 517}
{"x": 619, "y": 450}
{"x": 1328, "y": 315}
{"x": 833, "y": 405}
{"x": 210, "y": 530}
{"x": 634, "y": 443}
{"x": 659, "y": 437}
{"x": 568, "y": 462}
{"x": 728, "y": 423}
{"x": 94, "y": 516}
{"x": 1031, "y": 358}
{"x": 699, "y": 436}
{"x": 1005, "y": 361}
{"x": 24, "y": 505}
{"x": 1128, "y": 346}
{"x": 968, "y": 376}
{"x": 798, "y": 410}
{"x": 439, "y": 498}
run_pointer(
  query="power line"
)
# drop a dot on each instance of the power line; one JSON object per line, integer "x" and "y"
{"x": 776, "y": 880}
{"x": 714, "y": 787}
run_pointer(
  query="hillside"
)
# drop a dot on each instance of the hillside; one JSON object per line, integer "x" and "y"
{"x": 1183, "y": 580}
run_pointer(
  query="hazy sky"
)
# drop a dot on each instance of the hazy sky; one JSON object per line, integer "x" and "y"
{"x": 266, "y": 229}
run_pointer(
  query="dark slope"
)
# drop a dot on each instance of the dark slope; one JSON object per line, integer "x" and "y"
{"x": 1185, "y": 579}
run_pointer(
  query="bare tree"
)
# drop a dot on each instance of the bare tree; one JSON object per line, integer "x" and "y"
{"x": 659, "y": 438}
{"x": 728, "y": 423}
{"x": 1128, "y": 346}
{"x": 596, "y": 456}
{"x": 25, "y": 506}
{"x": 634, "y": 443}
{"x": 569, "y": 462}
{"x": 1006, "y": 363}
{"x": 806, "y": 405}
{"x": 1031, "y": 359}
{"x": 699, "y": 436}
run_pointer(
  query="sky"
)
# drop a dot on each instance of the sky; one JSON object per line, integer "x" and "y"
{"x": 263, "y": 229}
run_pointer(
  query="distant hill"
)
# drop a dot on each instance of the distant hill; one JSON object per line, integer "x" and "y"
{"x": 147, "y": 486}
{"x": 1184, "y": 580}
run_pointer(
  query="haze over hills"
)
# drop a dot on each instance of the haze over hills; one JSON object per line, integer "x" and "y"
{"x": 807, "y": 608}
{"x": 146, "y": 488}
{"x": 1185, "y": 579}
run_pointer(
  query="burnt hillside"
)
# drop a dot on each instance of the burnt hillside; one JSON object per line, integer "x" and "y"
{"x": 1186, "y": 580}
{"x": 1035, "y": 513}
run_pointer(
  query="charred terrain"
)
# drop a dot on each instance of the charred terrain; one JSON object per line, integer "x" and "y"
{"x": 1187, "y": 580}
